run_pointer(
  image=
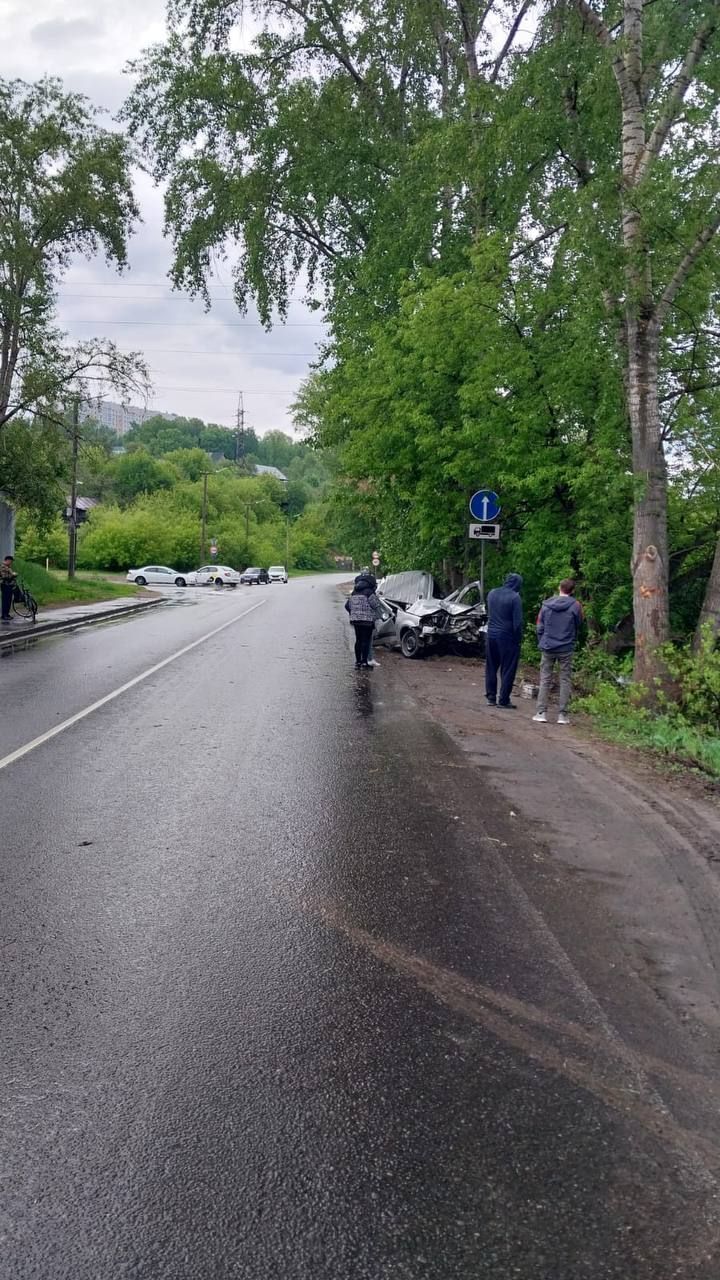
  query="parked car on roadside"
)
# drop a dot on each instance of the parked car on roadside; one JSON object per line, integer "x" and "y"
{"x": 277, "y": 573}
{"x": 158, "y": 573}
{"x": 255, "y": 577}
{"x": 220, "y": 575}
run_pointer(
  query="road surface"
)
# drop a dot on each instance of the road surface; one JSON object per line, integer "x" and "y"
{"x": 275, "y": 1005}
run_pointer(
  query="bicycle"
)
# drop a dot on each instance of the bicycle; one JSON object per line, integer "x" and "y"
{"x": 24, "y": 603}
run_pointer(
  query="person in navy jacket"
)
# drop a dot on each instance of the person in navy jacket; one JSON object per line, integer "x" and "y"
{"x": 558, "y": 625}
{"x": 504, "y": 636}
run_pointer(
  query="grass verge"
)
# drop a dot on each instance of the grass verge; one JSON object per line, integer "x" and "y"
{"x": 666, "y": 734}
{"x": 54, "y": 588}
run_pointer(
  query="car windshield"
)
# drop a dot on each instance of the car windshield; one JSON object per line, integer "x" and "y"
{"x": 253, "y": 570}
{"x": 276, "y": 568}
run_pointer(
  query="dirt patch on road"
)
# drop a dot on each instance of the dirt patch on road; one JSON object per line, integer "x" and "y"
{"x": 623, "y": 859}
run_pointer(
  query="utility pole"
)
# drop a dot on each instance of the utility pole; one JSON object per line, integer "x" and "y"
{"x": 240, "y": 429}
{"x": 203, "y": 520}
{"x": 72, "y": 522}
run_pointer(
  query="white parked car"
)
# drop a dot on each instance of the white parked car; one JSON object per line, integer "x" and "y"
{"x": 277, "y": 573}
{"x": 160, "y": 574}
{"x": 219, "y": 574}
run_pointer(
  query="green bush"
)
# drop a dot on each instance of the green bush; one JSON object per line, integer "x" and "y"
{"x": 35, "y": 543}
{"x": 683, "y": 730}
{"x": 697, "y": 679}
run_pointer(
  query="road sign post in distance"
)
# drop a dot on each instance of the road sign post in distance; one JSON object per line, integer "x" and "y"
{"x": 485, "y": 505}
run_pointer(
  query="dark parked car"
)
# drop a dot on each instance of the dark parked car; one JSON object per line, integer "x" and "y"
{"x": 255, "y": 577}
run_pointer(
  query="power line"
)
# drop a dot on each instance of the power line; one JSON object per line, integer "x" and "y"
{"x": 209, "y": 391}
{"x": 145, "y": 284}
{"x": 200, "y": 351}
{"x": 194, "y": 324}
{"x": 142, "y": 297}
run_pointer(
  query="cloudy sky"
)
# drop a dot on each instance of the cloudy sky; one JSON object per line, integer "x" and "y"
{"x": 199, "y": 362}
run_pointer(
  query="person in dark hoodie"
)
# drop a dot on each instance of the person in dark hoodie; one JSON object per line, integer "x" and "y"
{"x": 504, "y": 636}
{"x": 558, "y": 625}
{"x": 363, "y": 607}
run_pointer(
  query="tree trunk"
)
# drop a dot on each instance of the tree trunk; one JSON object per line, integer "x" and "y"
{"x": 650, "y": 561}
{"x": 710, "y": 612}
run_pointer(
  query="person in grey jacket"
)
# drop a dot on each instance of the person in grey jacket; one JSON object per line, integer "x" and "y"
{"x": 558, "y": 625}
{"x": 363, "y": 607}
{"x": 366, "y": 579}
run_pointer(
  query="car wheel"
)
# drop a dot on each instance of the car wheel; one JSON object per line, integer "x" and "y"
{"x": 233, "y": 585}
{"x": 140, "y": 581}
{"x": 180, "y": 582}
{"x": 410, "y": 644}
{"x": 219, "y": 582}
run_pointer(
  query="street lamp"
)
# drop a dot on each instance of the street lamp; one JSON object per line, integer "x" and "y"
{"x": 203, "y": 517}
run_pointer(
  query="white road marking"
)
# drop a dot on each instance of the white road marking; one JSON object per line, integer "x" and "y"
{"x": 94, "y": 706}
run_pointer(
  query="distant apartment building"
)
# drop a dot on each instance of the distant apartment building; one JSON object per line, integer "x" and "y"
{"x": 120, "y": 417}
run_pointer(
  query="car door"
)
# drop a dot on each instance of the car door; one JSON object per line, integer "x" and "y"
{"x": 153, "y": 573}
{"x": 385, "y": 624}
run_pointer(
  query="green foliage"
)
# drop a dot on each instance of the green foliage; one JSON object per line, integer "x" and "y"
{"x": 687, "y": 725}
{"x": 55, "y": 589}
{"x": 41, "y": 543}
{"x": 461, "y": 224}
{"x": 66, "y": 191}
{"x": 34, "y": 461}
{"x": 696, "y": 677}
{"x": 136, "y": 473}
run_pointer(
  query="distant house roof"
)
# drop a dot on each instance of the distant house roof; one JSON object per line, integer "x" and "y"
{"x": 82, "y": 504}
{"x": 270, "y": 471}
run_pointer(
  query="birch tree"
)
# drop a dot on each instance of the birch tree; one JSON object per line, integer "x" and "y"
{"x": 65, "y": 189}
{"x": 666, "y": 66}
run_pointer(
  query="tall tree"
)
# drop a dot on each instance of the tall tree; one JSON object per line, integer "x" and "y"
{"x": 666, "y": 64}
{"x": 65, "y": 189}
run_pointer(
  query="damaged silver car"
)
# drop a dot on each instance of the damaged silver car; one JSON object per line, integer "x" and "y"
{"x": 417, "y": 616}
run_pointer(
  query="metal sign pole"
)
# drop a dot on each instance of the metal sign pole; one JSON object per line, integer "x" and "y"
{"x": 482, "y": 571}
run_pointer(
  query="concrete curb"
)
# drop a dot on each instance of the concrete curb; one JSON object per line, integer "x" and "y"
{"x": 71, "y": 624}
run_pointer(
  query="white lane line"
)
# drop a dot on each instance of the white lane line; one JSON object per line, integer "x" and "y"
{"x": 94, "y": 706}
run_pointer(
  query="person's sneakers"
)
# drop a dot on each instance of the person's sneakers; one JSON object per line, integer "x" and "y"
{"x": 367, "y": 666}
{"x": 563, "y": 718}
{"x": 508, "y": 706}
{"x": 373, "y": 662}
{"x": 7, "y": 621}
{"x": 492, "y": 702}
{"x": 540, "y": 717}
{"x": 358, "y": 666}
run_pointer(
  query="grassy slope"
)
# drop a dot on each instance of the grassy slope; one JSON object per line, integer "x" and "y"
{"x": 54, "y": 588}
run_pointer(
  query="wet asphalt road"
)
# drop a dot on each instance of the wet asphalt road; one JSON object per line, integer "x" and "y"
{"x": 274, "y": 1006}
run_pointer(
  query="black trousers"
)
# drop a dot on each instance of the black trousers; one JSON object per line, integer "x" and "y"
{"x": 502, "y": 657}
{"x": 7, "y": 590}
{"x": 363, "y": 636}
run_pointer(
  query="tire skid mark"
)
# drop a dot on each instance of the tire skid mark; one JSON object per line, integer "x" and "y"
{"x": 503, "y": 1015}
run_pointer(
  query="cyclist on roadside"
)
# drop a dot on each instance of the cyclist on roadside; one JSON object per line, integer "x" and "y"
{"x": 8, "y": 578}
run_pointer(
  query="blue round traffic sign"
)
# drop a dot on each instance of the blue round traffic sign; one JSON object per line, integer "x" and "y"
{"x": 485, "y": 505}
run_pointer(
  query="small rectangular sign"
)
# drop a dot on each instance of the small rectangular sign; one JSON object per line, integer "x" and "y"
{"x": 491, "y": 532}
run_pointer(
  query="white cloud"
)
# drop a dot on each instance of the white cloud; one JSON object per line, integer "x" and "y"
{"x": 58, "y": 33}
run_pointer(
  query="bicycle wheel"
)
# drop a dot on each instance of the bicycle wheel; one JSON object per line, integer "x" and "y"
{"x": 25, "y": 606}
